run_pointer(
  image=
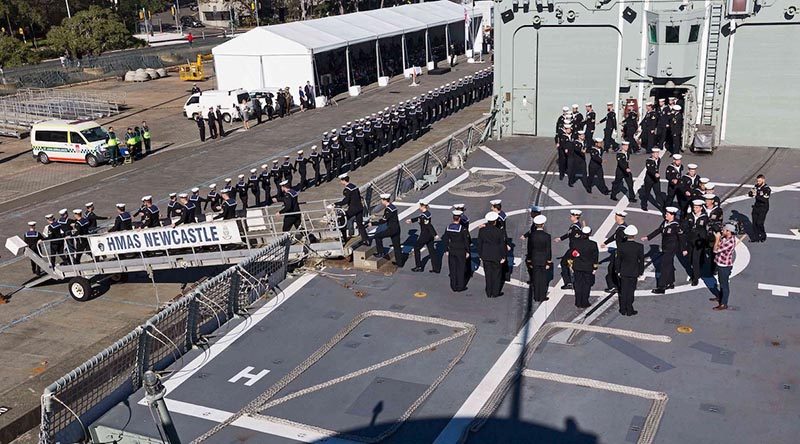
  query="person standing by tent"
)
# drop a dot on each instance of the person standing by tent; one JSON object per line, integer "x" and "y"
{"x": 201, "y": 126}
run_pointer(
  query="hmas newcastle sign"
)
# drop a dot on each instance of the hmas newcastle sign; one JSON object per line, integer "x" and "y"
{"x": 154, "y": 239}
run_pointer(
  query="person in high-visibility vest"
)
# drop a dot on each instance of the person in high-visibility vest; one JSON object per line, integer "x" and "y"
{"x": 113, "y": 147}
{"x": 130, "y": 142}
{"x": 138, "y": 133}
{"x": 146, "y": 137}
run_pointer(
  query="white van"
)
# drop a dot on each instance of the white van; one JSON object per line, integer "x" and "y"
{"x": 79, "y": 141}
{"x": 199, "y": 103}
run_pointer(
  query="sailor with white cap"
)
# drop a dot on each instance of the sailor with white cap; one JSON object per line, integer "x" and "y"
{"x": 253, "y": 185}
{"x": 673, "y": 175}
{"x": 493, "y": 253}
{"x": 573, "y": 233}
{"x": 456, "y": 242}
{"x": 212, "y": 198}
{"x": 241, "y": 190}
{"x": 688, "y": 183}
{"x": 388, "y": 226}
{"x": 564, "y": 141}
{"x": 595, "y": 176}
{"x": 584, "y": 256}
{"x": 761, "y": 192}
{"x": 123, "y": 221}
{"x": 93, "y": 218}
{"x": 195, "y": 199}
{"x": 560, "y": 121}
{"x": 671, "y": 234}
{"x": 617, "y": 237}
{"x": 611, "y": 125}
{"x": 652, "y": 179}
{"x": 539, "y": 259}
{"x": 426, "y": 237}
{"x": 32, "y": 238}
{"x": 629, "y": 126}
{"x": 173, "y": 207}
{"x": 315, "y": 159}
{"x": 676, "y": 128}
{"x": 576, "y": 163}
{"x": 623, "y": 173}
{"x": 649, "y": 124}
{"x": 228, "y": 206}
{"x": 80, "y": 229}
{"x": 63, "y": 218}
{"x": 351, "y": 199}
{"x": 535, "y": 210}
{"x": 188, "y": 213}
{"x": 577, "y": 118}
{"x": 287, "y": 169}
{"x": 664, "y": 118}
{"x": 497, "y": 206}
{"x": 629, "y": 262}
{"x": 301, "y": 166}
{"x": 696, "y": 238}
{"x": 55, "y": 236}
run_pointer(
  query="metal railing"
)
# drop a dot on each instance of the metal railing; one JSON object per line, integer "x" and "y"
{"x": 80, "y": 396}
{"x": 421, "y": 170}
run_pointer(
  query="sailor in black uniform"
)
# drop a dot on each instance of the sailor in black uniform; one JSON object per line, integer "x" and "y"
{"x": 560, "y": 121}
{"x": 195, "y": 199}
{"x": 623, "y": 172}
{"x": 80, "y": 229}
{"x": 427, "y": 236}
{"x": 577, "y": 118}
{"x": 301, "y": 166}
{"x": 761, "y": 193}
{"x": 464, "y": 220}
{"x": 337, "y": 157}
{"x": 629, "y": 126}
{"x": 264, "y": 183}
{"x": 630, "y": 265}
{"x": 611, "y": 124}
{"x": 618, "y": 237}
{"x": 673, "y": 175}
{"x": 212, "y": 198}
{"x": 716, "y": 222}
{"x": 173, "y": 207}
{"x": 577, "y": 161}
{"x": 152, "y": 218}
{"x": 456, "y": 246}
{"x": 676, "y": 125}
{"x": 188, "y": 215}
{"x": 671, "y": 242}
{"x": 590, "y": 122}
{"x": 492, "y": 251}
{"x": 276, "y": 175}
{"x": 649, "y": 124}
{"x": 327, "y": 160}
{"x": 241, "y": 190}
{"x": 652, "y": 180}
{"x": 688, "y": 183}
{"x": 391, "y": 230}
{"x": 315, "y": 160}
{"x": 573, "y": 233}
{"x": 585, "y": 261}
{"x": 32, "y": 239}
{"x": 662, "y": 125}
{"x": 92, "y": 217}
{"x": 55, "y": 236}
{"x": 497, "y": 207}
{"x": 123, "y": 221}
{"x": 254, "y": 186}
{"x": 287, "y": 171}
{"x": 595, "y": 176}
{"x": 696, "y": 230}
{"x": 539, "y": 259}
{"x": 351, "y": 198}
{"x": 564, "y": 146}
{"x": 228, "y": 206}
{"x": 291, "y": 207}
{"x": 351, "y": 149}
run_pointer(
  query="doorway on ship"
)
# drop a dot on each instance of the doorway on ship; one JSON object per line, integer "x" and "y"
{"x": 665, "y": 137}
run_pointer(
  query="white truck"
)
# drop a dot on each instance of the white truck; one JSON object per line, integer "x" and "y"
{"x": 199, "y": 103}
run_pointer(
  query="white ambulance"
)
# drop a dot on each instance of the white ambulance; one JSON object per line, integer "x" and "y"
{"x": 78, "y": 141}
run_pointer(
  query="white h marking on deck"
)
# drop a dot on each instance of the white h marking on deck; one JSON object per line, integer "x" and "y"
{"x": 251, "y": 378}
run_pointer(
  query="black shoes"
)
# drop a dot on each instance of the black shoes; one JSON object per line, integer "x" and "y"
{"x": 610, "y": 289}
{"x": 417, "y": 269}
{"x": 659, "y": 290}
{"x": 567, "y": 287}
{"x": 433, "y": 271}
{"x": 694, "y": 282}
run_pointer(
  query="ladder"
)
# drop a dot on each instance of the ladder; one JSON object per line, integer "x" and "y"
{"x": 712, "y": 57}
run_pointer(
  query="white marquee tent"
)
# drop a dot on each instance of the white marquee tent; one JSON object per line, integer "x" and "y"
{"x": 271, "y": 57}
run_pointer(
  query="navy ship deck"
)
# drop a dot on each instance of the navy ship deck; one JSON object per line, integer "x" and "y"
{"x": 348, "y": 356}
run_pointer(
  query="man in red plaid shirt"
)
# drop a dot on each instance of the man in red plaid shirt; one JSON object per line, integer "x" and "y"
{"x": 724, "y": 250}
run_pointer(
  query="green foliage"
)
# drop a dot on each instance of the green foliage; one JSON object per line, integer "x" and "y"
{"x": 15, "y": 53}
{"x": 90, "y": 32}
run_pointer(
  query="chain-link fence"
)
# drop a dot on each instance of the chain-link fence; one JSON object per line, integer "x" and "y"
{"x": 86, "y": 392}
{"x": 422, "y": 169}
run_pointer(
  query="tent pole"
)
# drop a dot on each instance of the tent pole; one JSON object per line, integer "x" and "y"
{"x": 427, "y": 48}
{"x": 347, "y": 58}
{"x": 316, "y": 74}
{"x": 447, "y": 41}
{"x": 378, "y": 56}
{"x": 403, "y": 47}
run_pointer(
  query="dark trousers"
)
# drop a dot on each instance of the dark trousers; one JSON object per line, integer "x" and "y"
{"x": 562, "y": 163}
{"x": 677, "y": 142}
{"x": 616, "y": 186}
{"x": 113, "y": 154}
{"x": 212, "y": 129}
{"x": 290, "y": 222}
{"x": 303, "y": 180}
{"x": 256, "y": 193}
{"x": 202, "y": 130}
{"x": 243, "y": 196}
{"x": 398, "y": 249}
{"x": 612, "y": 279}
{"x": 566, "y": 271}
{"x": 147, "y": 146}
{"x": 583, "y": 285}
{"x": 595, "y": 178}
{"x": 648, "y": 139}
{"x": 317, "y": 175}
{"x": 494, "y": 278}
{"x": 724, "y": 275}
{"x": 457, "y": 264}
{"x": 695, "y": 255}
{"x": 650, "y": 187}
{"x": 667, "y": 275}
{"x": 328, "y": 170}
{"x": 759, "y": 217}
{"x": 626, "y": 291}
{"x": 35, "y": 268}
{"x": 671, "y": 191}
{"x": 661, "y": 136}
{"x": 608, "y": 141}
{"x": 56, "y": 251}
{"x": 575, "y": 166}
{"x": 436, "y": 261}
{"x": 358, "y": 218}
{"x": 539, "y": 282}
{"x": 267, "y": 192}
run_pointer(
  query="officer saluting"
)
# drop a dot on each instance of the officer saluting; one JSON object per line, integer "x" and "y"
{"x": 760, "y": 208}
{"x": 585, "y": 261}
{"x": 618, "y": 237}
{"x": 456, "y": 247}
{"x": 573, "y": 233}
{"x": 539, "y": 259}
{"x": 670, "y": 232}
{"x": 630, "y": 265}
{"x": 427, "y": 236}
{"x": 392, "y": 230}
{"x": 492, "y": 250}
{"x": 123, "y": 221}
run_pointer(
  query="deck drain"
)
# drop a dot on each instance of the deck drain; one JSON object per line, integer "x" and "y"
{"x": 397, "y": 307}
{"x": 712, "y": 408}
{"x": 685, "y": 329}
{"x": 490, "y": 321}
{"x": 431, "y": 331}
{"x": 672, "y": 321}
{"x": 352, "y": 344}
{"x": 420, "y": 294}
{"x": 277, "y": 362}
{"x": 787, "y": 387}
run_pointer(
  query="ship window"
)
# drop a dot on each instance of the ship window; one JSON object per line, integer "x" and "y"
{"x": 673, "y": 33}
{"x": 694, "y": 33}
{"x": 653, "y": 32}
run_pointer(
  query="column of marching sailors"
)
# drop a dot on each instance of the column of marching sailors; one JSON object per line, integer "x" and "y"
{"x": 343, "y": 150}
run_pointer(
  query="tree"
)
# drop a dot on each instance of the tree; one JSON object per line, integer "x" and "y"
{"x": 90, "y": 32}
{"x": 15, "y": 53}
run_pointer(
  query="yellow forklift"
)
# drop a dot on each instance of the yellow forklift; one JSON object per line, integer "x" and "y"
{"x": 194, "y": 71}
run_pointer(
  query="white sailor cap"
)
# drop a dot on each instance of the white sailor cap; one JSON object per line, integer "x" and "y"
{"x": 121, "y": 205}
{"x": 671, "y": 210}
{"x": 253, "y": 170}
{"x": 299, "y": 151}
{"x": 430, "y": 92}
{"x": 264, "y": 166}
{"x": 650, "y": 103}
{"x": 48, "y": 216}
{"x": 655, "y": 150}
{"x": 492, "y": 216}
{"x": 459, "y": 206}
{"x": 148, "y": 197}
{"x": 313, "y": 147}
{"x": 287, "y": 157}
{"x": 386, "y": 109}
{"x": 284, "y": 182}
{"x": 676, "y": 107}
{"x": 575, "y": 212}
{"x": 621, "y": 213}
{"x": 334, "y": 130}
{"x": 77, "y": 211}
{"x": 89, "y": 204}
{"x": 574, "y": 105}
{"x": 496, "y": 202}
{"x": 171, "y": 195}
{"x": 672, "y": 98}
{"x": 457, "y": 212}
{"x": 424, "y": 203}
{"x": 710, "y": 186}
{"x": 213, "y": 185}
{"x": 709, "y": 196}
{"x": 697, "y": 202}
{"x": 225, "y": 190}
{"x": 183, "y": 195}
{"x": 195, "y": 190}
{"x": 677, "y": 156}
{"x": 228, "y": 179}
{"x": 349, "y": 131}
{"x": 565, "y": 109}
{"x": 349, "y": 123}
{"x": 704, "y": 180}
{"x": 586, "y": 230}
{"x": 386, "y": 196}
{"x": 273, "y": 161}
{"x": 598, "y": 139}
{"x": 581, "y": 132}
{"x": 631, "y": 230}
{"x": 567, "y": 125}
{"x": 588, "y": 104}
{"x": 540, "y": 219}
{"x": 609, "y": 103}
{"x": 625, "y": 142}
{"x": 326, "y": 133}
{"x": 661, "y": 99}
{"x": 241, "y": 176}
{"x": 31, "y": 223}
{"x": 344, "y": 176}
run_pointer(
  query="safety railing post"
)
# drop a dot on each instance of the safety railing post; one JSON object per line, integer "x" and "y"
{"x": 233, "y": 294}
{"x": 45, "y": 427}
{"x": 193, "y": 311}
{"x": 449, "y": 148}
{"x": 425, "y": 161}
{"x": 142, "y": 355}
{"x": 397, "y": 182}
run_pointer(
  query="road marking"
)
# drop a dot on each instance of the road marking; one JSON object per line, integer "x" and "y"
{"x": 415, "y": 205}
{"x": 252, "y": 378}
{"x": 526, "y": 177}
{"x": 784, "y": 236}
{"x": 779, "y": 290}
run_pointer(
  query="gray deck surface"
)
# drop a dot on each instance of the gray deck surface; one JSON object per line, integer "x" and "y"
{"x": 734, "y": 378}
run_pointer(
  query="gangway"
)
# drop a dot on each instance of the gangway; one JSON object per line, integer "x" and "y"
{"x": 85, "y": 260}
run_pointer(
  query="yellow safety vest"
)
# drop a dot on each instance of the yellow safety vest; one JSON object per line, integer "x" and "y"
{"x": 131, "y": 140}
{"x": 146, "y": 134}
{"x": 112, "y": 141}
